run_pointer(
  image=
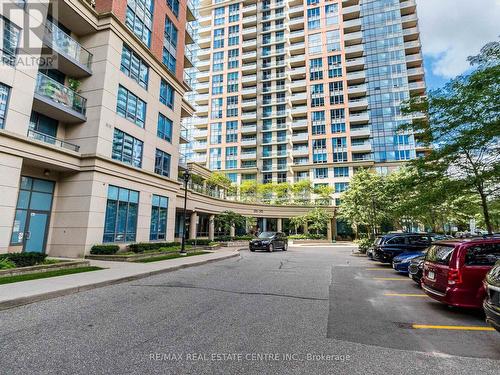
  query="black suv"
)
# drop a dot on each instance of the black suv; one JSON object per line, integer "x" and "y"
{"x": 394, "y": 244}
{"x": 269, "y": 241}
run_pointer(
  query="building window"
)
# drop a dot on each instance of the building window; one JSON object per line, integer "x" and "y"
{"x": 321, "y": 173}
{"x": 231, "y": 131}
{"x": 167, "y": 94}
{"x": 169, "y": 60}
{"x": 217, "y": 84}
{"x": 313, "y": 18}
{"x": 131, "y": 107}
{"x": 341, "y": 187}
{"x": 139, "y": 19}
{"x": 159, "y": 211}
{"x": 170, "y": 45}
{"x": 341, "y": 172}
{"x": 332, "y": 14}
{"x": 215, "y": 158}
{"x": 10, "y": 38}
{"x": 162, "y": 163}
{"x": 234, "y": 12}
{"x": 219, "y": 38}
{"x": 134, "y": 67}
{"x": 219, "y": 16}
{"x": 4, "y": 99}
{"x": 127, "y": 149}
{"x": 334, "y": 66}
{"x": 174, "y": 6}
{"x": 164, "y": 130}
{"x": 122, "y": 206}
{"x": 234, "y": 36}
{"x": 218, "y": 60}
{"x": 316, "y": 69}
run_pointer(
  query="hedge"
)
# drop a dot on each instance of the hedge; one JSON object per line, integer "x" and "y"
{"x": 310, "y": 236}
{"x": 24, "y": 259}
{"x": 104, "y": 249}
{"x": 201, "y": 242}
{"x": 147, "y": 246}
{"x": 235, "y": 238}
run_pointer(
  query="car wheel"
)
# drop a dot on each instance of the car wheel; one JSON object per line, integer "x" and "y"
{"x": 270, "y": 248}
{"x": 285, "y": 246}
{"x": 252, "y": 250}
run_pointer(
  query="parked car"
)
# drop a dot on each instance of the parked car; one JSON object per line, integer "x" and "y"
{"x": 416, "y": 268}
{"x": 269, "y": 241}
{"x": 401, "y": 262}
{"x": 394, "y": 244}
{"x": 454, "y": 270}
{"x": 491, "y": 303}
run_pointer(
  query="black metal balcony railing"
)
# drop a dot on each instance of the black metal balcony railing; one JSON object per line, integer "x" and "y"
{"x": 58, "y": 93}
{"x": 33, "y": 134}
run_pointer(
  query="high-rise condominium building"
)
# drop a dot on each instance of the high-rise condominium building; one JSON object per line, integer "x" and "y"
{"x": 305, "y": 89}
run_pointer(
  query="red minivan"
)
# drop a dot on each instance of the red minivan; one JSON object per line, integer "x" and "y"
{"x": 454, "y": 270}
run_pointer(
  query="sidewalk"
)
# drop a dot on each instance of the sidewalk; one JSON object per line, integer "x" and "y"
{"x": 26, "y": 292}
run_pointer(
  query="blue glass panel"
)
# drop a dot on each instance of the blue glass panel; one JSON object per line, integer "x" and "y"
{"x": 18, "y": 227}
{"x": 43, "y": 185}
{"x": 40, "y": 201}
{"x": 113, "y": 192}
{"x": 123, "y": 195}
{"x": 134, "y": 197}
{"x": 156, "y": 200}
{"x": 23, "y": 199}
{"x": 26, "y": 183}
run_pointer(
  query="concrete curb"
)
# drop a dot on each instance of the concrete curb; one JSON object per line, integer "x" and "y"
{"x": 4, "y": 305}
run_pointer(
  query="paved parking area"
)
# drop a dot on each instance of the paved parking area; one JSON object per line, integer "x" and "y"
{"x": 370, "y": 303}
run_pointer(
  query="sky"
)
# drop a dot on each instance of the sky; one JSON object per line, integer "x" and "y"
{"x": 452, "y": 30}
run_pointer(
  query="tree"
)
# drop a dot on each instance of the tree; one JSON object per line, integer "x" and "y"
{"x": 298, "y": 221}
{"x": 301, "y": 191}
{"x": 229, "y": 219}
{"x": 248, "y": 191}
{"x": 366, "y": 201}
{"x": 282, "y": 192}
{"x": 462, "y": 124}
{"x": 319, "y": 219}
{"x": 325, "y": 193}
{"x": 265, "y": 192}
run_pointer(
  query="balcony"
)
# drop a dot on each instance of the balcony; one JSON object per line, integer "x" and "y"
{"x": 199, "y": 146}
{"x": 200, "y": 134}
{"x": 351, "y": 12}
{"x": 249, "y": 103}
{"x": 358, "y": 104}
{"x": 361, "y": 147}
{"x": 298, "y": 124}
{"x": 249, "y": 141}
{"x": 57, "y": 101}
{"x": 199, "y": 158}
{"x": 359, "y": 118}
{"x": 299, "y": 110}
{"x": 300, "y": 137}
{"x": 248, "y": 155}
{"x": 361, "y": 131}
{"x": 301, "y": 151}
{"x": 245, "y": 129}
{"x": 355, "y": 64}
{"x": 353, "y": 38}
{"x": 33, "y": 134}
{"x": 411, "y": 34}
{"x": 354, "y": 51}
{"x": 356, "y": 77}
{"x": 417, "y": 87}
{"x": 414, "y": 61}
{"x": 73, "y": 59}
{"x": 416, "y": 73}
{"x": 249, "y": 116}
{"x": 352, "y": 25}
{"x": 409, "y": 21}
{"x": 356, "y": 90}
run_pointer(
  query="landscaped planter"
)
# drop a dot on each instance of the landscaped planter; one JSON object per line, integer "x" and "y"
{"x": 44, "y": 268}
{"x": 309, "y": 241}
{"x": 234, "y": 243}
{"x": 140, "y": 256}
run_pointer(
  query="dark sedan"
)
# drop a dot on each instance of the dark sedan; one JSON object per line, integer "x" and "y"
{"x": 269, "y": 241}
{"x": 416, "y": 268}
{"x": 491, "y": 304}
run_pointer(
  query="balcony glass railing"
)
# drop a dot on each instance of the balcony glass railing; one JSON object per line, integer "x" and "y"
{"x": 58, "y": 93}
{"x": 66, "y": 45}
{"x": 33, "y": 134}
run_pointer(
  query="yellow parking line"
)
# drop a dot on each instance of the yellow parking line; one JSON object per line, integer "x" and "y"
{"x": 456, "y": 328}
{"x": 405, "y": 295}
{"x": 392, "y": 279}
{"x": 378, "y": 269}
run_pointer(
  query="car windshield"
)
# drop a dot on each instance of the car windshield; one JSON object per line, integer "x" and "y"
{"x": 440, "y": 254}
{"x": 267, "y": 234}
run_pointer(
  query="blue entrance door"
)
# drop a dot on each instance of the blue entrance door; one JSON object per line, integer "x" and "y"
{"x": 37, "y": 230}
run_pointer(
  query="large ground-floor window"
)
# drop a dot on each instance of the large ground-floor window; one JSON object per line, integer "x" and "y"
{"x": 159, "y": 209}
{"x": 121, "y": 215}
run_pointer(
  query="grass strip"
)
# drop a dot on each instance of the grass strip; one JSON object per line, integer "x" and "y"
{"x": 44, "y": 275}
{"x": 170, "y": 256}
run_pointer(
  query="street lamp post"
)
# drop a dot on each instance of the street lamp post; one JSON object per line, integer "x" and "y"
{"x": 185, "y": 177}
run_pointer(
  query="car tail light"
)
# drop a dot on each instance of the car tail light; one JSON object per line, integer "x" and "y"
{"x": 454, "y": 276}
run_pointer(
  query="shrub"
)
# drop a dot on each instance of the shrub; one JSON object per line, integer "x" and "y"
{"x": 24, "y": 259}
{"x": 104, "y": 249}
{"x": 147, "y": 246}
{"x": 364, "y": 244}
{"x": 201, "y": 242}
{"x": 6, "y": 264}
{"x": 235, "y": 238}
{"x": 310, "y": 236}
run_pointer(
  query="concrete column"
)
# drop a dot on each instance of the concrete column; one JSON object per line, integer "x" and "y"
{"x": 192, "y": 225}
{"x": 264, "y": 224}
{"x": 306, "y": 228}
{"x": 279, "y": 225}
{"x": 211, "y": 227}
{"x": 334, "y": 228}
{"x": 10, "y": 170}
{"x": 329, "y": 232}
{"x": 232, "y": 231}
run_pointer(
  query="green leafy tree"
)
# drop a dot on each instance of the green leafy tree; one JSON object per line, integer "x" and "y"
{"x": 298, "y": 221}
{"x": 366, "y": 202}
{"x": 248, "y": 191}
{"x": 462, "y": 124}
{"x": 301, "y": 191}
{"x": 282, "y": 193}
{"x": 325, "y": 194}
{"x": 229, "y": 219}
{"x": 318, "y": 219}
{"x": 265, "y": 192}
